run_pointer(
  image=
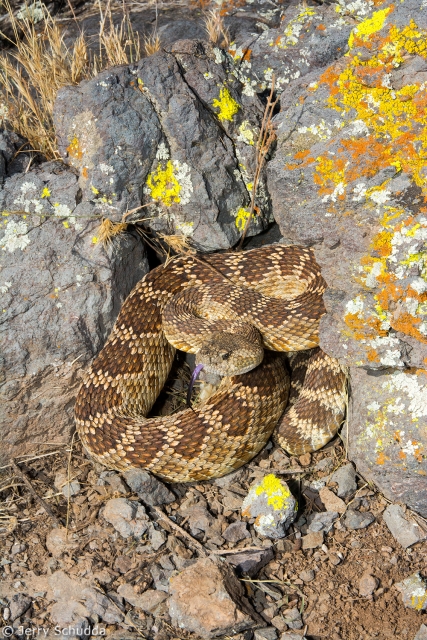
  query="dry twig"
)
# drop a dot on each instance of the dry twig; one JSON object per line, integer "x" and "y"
{"x": 267, "y": 136}
{"x": 191, "y": 541}
{"x": 43, "y": 504}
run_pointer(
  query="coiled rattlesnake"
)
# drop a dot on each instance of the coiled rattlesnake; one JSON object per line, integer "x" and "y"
{"x": 276, "y": 291}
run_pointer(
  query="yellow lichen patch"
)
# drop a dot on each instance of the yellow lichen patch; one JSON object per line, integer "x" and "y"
{"x": 369, "y": 26}
{"x": 242, "y": 216}
{"x": 227, "y": 105}
{"x": 74, "y": 150}
{"x": 163, "y": 185}
{"x": 278, "y": 495}
{"x": 294, "y": 29}
{"x": 395, "y": 118}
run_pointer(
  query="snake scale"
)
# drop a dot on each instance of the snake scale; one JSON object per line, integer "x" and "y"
{"x": 269, "y": 298}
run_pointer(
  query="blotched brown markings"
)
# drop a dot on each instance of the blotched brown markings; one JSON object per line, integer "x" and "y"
{"x": 130, "y": 352}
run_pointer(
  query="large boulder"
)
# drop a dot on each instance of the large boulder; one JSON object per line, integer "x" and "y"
{"x": 349, "y": 178}
{"x": 175, "y": 133}
{"x": 61, "y": 291}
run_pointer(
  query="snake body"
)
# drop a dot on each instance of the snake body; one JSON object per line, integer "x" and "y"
{"x": 277, "y": 290}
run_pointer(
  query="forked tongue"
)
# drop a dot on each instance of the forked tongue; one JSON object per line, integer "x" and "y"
{"x": 194, "y": 376}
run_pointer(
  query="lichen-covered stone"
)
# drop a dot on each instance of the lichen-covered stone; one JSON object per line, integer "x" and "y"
{"x": 348, "y": 178}
{"x": 272, "y": 505}
{"x": 414, "y": 592}
{"x": 61, "y": 292}
{"x": 175, "y": 132}
{"x": 387, "y": 439}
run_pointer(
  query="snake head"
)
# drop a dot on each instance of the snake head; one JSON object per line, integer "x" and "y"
{"x": 228, "y": 354}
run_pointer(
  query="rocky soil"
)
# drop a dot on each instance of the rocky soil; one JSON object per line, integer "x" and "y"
{"x": 181, "y": 562}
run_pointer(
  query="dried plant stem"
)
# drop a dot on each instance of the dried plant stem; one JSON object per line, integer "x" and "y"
{"x": 190, "y": 540}
{"x": 35, "y": 495}
{"x": 266, "y": 137}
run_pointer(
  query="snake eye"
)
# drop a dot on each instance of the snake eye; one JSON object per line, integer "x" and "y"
{"x": 226, "y": 355}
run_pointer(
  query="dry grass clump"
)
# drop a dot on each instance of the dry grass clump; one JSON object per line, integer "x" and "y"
{"x": 214, "y": 24}
{"x": 31, "y": 75}
{"x": 151, "y": 44}
{"x": 108, "y": 230}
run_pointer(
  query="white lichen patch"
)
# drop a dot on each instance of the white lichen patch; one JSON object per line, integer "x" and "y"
{"x": 415, "y": 394}
{"x": 26, "y": 200}
{"x": 4, "y": 288}
{"x": 162, "y": 152}
{"x": 246, "y": 134}
{"x": 321, "y": 130}
{"x": 32, "y": 12}
{"x": 380, "y": 196}
{"x": 106, "y": 168}
{"x": 358, "y": 8}
{"x": 219, "y": 56}
{"x": 15, "y": 236}
{"x": 185, "y": 228}
{"x": 338, "y": 191}
{"x": 183, "y": 175}
{"x": 355, "y": 306}
{"x": 359, "y": 192}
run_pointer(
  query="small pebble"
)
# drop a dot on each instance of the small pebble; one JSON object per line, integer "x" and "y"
{"x": 334, "y": 558}
{"x": 331, "y": 501}
{"x": 236, "y": 531}
{"x": 355, "y": 520}
{"x": 307, "y": 576}
{"x": 305, "y": 460}
{"x": 292, "y": 618}
{"x": 312, "y": 540}
{"x": 367, "y": 585}
{"x": 406, "y": 531}
{"x": 345, "y": 477}
{"x": 422, "y": 633}
{"x": 266, "y": 633}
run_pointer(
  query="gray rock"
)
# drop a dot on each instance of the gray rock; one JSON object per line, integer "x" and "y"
{"x": 149, "y": 489}
{"x": 161, "y": 577}
{"x": 407, "y": 532}
{"x": 323, "y": 521}
{"x": 173, "y": 128}
{"x": 114, "y": 480}
{"x": 345, "y": 477}
{"x": 293, "y": 618}
{"x": 396, "y": 466}
{"x": 290, "y": 635}
{"x": 236, "y": 531}
{"x": 267, "y": 633}
{"x": 17, "y": 548}
{"x": 272, "y": 504}
{"x": 251, "y": 562}
{"x": 157, "y": 538}
{"x": 331, "y": 162}
{"x": 147, "y": 601}
{"x": 421, "y": 633}
{"x": 414, "y": 592}
{"x": 56, "y": 317}
{"x": 356, "y": 520}
{"x": 128, "y": 518}
{"x": 307, "y": 576}
{"x": 19, "y": 603}
{"x": 208, "y": 599}
{"x": 97, "y": 603}
{"x": 69, "y": 489}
